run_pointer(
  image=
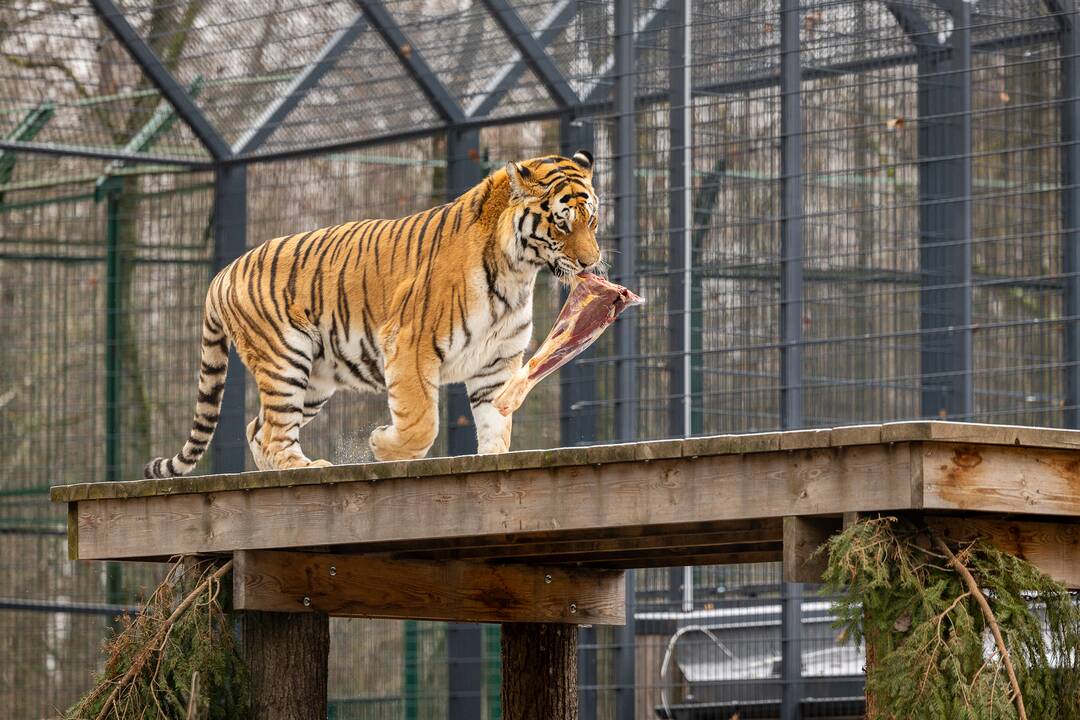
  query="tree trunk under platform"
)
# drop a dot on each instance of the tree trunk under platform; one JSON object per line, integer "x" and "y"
{"x": 286, "y": 655}
{"x": 539, "y": 665}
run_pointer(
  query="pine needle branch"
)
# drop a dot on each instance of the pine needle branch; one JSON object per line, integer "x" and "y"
{"x": 973, "y": 588}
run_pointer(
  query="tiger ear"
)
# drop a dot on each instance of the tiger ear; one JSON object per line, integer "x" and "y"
{"x": 584, "y": 160}
{"x": 519, "y": 179}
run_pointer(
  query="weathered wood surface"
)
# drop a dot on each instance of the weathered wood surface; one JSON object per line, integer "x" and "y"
{"x": 365, "y": 586}
{"x": 539, "y": 668}
{"x": 622, "y": 498}
{"x": 287, "y": 659}
{"x": 744, "y": 444}
{"x": 1053, "y": 547}
{"x": 696, "y": 501}
{"x": 1004, "y": 479}
{"x": 802, "y": 538}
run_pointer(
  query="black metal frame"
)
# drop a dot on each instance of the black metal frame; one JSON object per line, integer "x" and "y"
{"x": 945, "y": 186}
{"x": 301, "y": 85}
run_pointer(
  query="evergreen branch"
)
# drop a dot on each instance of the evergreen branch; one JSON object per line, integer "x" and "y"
{"x": 161, "y": 634}
{"x": 973, "y": 588}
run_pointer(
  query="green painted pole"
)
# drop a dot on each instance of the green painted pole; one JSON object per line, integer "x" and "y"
{"x": 493, "y": 670}
{"x": 410, "y": 685}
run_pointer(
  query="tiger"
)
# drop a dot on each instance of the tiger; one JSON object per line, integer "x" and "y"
{"x": 401, "y": 306}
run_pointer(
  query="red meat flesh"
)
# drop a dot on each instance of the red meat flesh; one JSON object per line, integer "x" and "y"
{"x": 592, "y": 305}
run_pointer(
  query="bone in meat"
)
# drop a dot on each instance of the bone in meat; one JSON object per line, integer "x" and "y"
{"x": 592, "y": 305}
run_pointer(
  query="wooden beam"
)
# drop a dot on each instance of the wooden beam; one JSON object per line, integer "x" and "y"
{"x": 374, "y": 587}
{"x": 620, "y": 498}
{"x": 1003, "y": 479}
{"x": 758, "y": 555}
{"x": 891, "y": 433}
{"x": 802, "y": 538}
{"x": 1053, "y": 547}
{"x": 674, "y": 544}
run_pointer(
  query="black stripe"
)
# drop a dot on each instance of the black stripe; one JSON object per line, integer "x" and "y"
{"x": 273, "y": 279}
{"x": 343, "y": 303}
{"x": 283, "y": 408}
{"x": 302, "y": 384}
{"x": 419, "y": 236}
{"x": 436, "y": 241}
{"x": 214, "y": 396}
{"x": 310, "y": 245}
{"x": 491, "y": 273}
{"x": 461, "y": 309}
{"x": 290, "y": 284}
{"x": 483, "y": 394}
{"x": 207, "y": 429}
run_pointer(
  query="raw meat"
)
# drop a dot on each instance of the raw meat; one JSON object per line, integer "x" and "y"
{"x": 592, "y": 305}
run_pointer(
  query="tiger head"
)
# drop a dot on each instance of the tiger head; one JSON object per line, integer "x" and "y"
{"x": 555, "y": 212}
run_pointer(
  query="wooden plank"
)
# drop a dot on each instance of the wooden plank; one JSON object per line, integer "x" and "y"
{"x": 855, "y": 435}
{"x": 579, "y": 550}
{"x": 375, "y": 587}
{"x": 619, "y": 497}
{"x": 921, "y": 431}
{"x": 802, "y": 439}
{"x": 982, "y": 434}
{"x": 495, "y": 544}
{"x": 73, "y": 530}
{"x": 668, "y": 556}
{"x": 802, "y": 538}
{"x": 992, "y": 478}
{"x": 731, "y": 444}
{"x": 1053, "y": 547}
{"x": 716, "y": 558}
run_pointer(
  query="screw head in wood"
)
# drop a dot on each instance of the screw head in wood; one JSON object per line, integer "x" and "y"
{"x": 573, "y": 608}
{"x": 333, "y": 571}
{"x": 547, "y": 579}
{"x": 307, "y": 601}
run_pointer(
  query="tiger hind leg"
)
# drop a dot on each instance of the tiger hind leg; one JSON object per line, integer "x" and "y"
{"x": 319, "y": 390}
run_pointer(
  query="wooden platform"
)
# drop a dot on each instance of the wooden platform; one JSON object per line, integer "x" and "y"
{"x": 568, "y": 511}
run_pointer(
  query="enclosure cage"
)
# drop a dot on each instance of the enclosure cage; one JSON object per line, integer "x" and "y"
{"x": 839, "y": 211}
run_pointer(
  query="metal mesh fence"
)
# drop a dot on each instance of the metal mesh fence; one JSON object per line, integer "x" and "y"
{"x": 840, "y": 211}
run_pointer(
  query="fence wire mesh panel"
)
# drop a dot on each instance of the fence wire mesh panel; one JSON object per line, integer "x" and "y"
{"x": 839, "y": 211}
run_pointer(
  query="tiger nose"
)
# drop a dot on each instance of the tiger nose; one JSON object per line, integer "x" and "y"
{"x": 590, "y": 257}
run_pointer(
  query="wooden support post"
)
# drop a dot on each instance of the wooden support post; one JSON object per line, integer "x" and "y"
{"x": 803, "y": 535}
{"x": 870, "y": 651}
{"x": 539, "y": 662}
{"x": 286, "y": 655}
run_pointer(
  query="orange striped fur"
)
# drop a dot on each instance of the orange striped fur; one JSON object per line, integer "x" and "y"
{"x": 401, "y": 306}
